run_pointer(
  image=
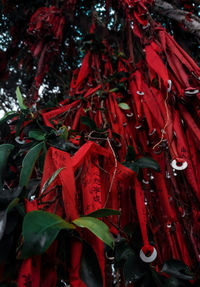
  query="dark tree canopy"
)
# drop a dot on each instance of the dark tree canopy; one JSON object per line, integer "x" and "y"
{"x": 100, "y": 143}
{"x": 17, "y": 43}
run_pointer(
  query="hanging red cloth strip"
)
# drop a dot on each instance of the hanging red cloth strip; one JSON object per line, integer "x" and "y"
{"x": 84, "y": 70}
{"x": 76, "y": 250}
{"x": 54, "y": 160}
{"x": 60, "y": 159}
{"x": 136, "y": 97}
{"x": 154, "y": 61}
{"x": 184, "y": 152}
{"x": 141, "y": 211}
{"x": 190, "y": 122}
{"x": 49, "y": 271}
{"x": 53, "y": 114}
{"x": 92, "y": 200}
{"x": 29, "y": 274}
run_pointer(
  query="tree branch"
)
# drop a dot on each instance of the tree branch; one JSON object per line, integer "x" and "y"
{"x": 190, "y": 21}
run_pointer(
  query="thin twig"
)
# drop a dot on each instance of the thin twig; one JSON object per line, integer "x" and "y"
{"x": 97, "y": 165}
{"x": 192, "y": 24}
{"x": 103, "y": 115}
{"x": 79, "y": 173}
{"x": 166, "y": 124}
{"x": 114, "y": 173}
{"x": 49, "y": 202}
{"x": 117, "y": 227}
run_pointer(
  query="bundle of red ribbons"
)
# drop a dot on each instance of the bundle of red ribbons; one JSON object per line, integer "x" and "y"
{"x": 46, "y": 30}
{"x": 161, "y": 119}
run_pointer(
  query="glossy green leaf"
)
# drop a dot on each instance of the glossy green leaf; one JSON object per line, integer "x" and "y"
{"x": 39, "y": 230}
{"x": 133, "y": 269}
{"x": 29, "y": 163}
{"x": 12, "y": 204}
{"x": 61, "y": 144}
{"x": 97, "y": 227}
{"x": 20, "y": 100}
{"x": 130, "y": 155}
{"x": 51, "y": 179}
{"x": 177, "y": 269}
{"x": 63, "y": 131}
{"x": 8, "y": 116}
{"x": 147, "y": 162}
{"x": 129, "y": 229}
{"x": 104, "y": 212}
{"x": 5, "y": 150}
{"x": 125, "y": 258}
{"x": 122, "y": 251}
{"x": 3, "y": 220}
{"x": 114, "y": 90}
{"x": 175, "y": 282}
{"x": 124, "y": 106}
{"x": 90, "y": 272}
{"x": 88, "y": 122}
{"x": 8, "y": 196}
{"x": 37, "y": 135}
{"x": 6, "y": 250}
{"x": 3, "y": 216}
{"x": 158, "y": 279}
{"x": 132, "y": 165}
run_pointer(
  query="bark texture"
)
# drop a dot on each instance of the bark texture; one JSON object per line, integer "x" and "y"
{"x": 190, "y": 21}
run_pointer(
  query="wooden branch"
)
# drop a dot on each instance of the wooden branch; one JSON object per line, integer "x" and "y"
{"x": 190, "y": 21}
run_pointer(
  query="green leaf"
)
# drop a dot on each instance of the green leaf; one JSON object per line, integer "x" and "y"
{"x": 132, "y": 165}
{"x": 133, "y": 269}
{"x": 7, "y": 196}
{"x": 90, "y": 272}
{"x": 20, "y": 100}
{"x": 175, "y": 282}
{"x": 51, "y": 179}
{"x": 143, "y": 162}
{"x": 39, "y": 230}
{"x": 147, "y": 162}
{"x": 12, "y": 204}
{"x": 21, "y": 209}
{"x": 8, "y": 116}
{"x": 125, "y": 257}
{"x": 122, "y": 251}
{"x": 63, "y": 131}
{"x": 113, "y": 90}
{"x": 5, "y": 150}
{"x": 104, "y": 212}
{"x": 124, "y": 106}
{"x": 157, "y": 278}
{"x": 41, "y": 159}
{"x": 129, "y": 229}
{"x": 3, "y": 221}
{"x": 37, "y": 135}
{"x": 3, "y": 216}
{"x": 178, "y": 269}
{"x": 29, "y": 163}
{"x": 88, "y": 122}
{"x": 130, "y": 155}
{"x": 6, "y": 247}
{"x": 96, "y": 226}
